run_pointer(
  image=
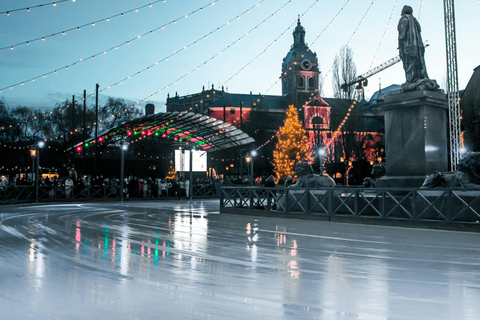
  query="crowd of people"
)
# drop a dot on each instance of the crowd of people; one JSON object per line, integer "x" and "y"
{"x": 69, "y": 184}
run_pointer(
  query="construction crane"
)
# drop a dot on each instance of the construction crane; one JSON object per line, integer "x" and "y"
{"x": 361, "y": 80}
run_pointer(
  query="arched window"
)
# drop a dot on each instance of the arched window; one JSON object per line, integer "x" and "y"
{"x": 317, "y": 121}
{"x": 301, "y": 82}
{"x": 311, "y": 83}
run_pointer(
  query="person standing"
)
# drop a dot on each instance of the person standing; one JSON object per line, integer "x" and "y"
{"x": 68, "y": 187}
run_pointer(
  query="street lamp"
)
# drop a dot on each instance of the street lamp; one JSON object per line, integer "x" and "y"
{"x": 249, "y": 159}
{"x": 33, "y": 153}
{"x": 36, "y": 154}
{"x": 321, "y": 154}
{"x": 124, "y": 147}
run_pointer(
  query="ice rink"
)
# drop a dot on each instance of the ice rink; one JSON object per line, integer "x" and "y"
{"x": 181, "y": 260}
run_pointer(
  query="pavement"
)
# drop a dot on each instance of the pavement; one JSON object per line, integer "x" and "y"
{"x": 184, "y": 260}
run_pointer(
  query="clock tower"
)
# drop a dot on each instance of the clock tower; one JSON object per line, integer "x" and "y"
{"x": 300, "y": 73}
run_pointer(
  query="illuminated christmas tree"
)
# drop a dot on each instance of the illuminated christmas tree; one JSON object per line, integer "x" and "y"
{"x": 292, "y": 145}
{"x": 172, "y": 174}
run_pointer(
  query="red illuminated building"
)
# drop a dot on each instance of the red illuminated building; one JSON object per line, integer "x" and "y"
{"x": 349, "y": 131}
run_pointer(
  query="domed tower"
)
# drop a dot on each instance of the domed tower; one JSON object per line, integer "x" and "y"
{"x": 300, "y": 71}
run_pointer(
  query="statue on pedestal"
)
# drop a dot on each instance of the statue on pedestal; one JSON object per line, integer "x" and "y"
{"x": 307, "y": 179}
{"x": 412, "y": 51}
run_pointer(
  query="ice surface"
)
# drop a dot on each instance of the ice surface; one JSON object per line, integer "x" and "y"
{"x": 180, "y": 260}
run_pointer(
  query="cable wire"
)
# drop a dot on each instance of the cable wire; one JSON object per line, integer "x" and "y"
{"x": 35, "y": 6}
{"x": 93, "y": 23}
{"x": 107, "y": 50}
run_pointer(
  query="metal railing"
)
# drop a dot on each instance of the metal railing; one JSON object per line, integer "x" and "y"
{"x": 22, "y": 193}
{"x": 415, "y": 204}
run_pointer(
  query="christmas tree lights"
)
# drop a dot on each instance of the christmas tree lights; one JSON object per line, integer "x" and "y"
{"x": 292, "y": 145}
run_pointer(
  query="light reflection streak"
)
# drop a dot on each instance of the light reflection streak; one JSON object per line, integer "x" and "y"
{"x": 293, "y": 251}
{"x": 293, "y": 265}
{"x": 78, "y": 235}
{"x": 36, "y": 265}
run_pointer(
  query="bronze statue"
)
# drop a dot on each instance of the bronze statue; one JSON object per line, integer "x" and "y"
{"x": 466, "y": 176}
{"x": 412, "y": 51}
{"x": 307, "y": 179}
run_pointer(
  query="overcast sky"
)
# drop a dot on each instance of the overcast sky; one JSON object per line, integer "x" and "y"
{"x": 328, "y": 29}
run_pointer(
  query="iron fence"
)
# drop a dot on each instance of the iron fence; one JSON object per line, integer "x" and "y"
{"x": 21, "y": 193}
{"x": 415, "y": 204}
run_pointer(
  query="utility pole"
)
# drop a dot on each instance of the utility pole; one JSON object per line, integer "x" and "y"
{"x": 452, "y": 84}
{"x": 84, "y": 129}
{"x": 241, "y": 111}
{"x": 96, "y": 133}
{"x": 72, "y": 134}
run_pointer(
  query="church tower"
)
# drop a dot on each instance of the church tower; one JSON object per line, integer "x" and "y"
{"x": 300, "y": 73}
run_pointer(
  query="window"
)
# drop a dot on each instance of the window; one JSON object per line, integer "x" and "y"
{"x": 311, "y": 83}
{"x": 301, "y": 82}
{"x": 317, "y": 121}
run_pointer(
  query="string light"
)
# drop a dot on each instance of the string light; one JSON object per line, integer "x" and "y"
{"x": 350, "y": 39}
{"x": 267, "y": 142}
{"x": 101, "y": 52}
{"x": 258, "y": 55}
{"x": 76, "y": 28}
{"x": 179, "y": 50}
{"x": 331, "y": 21}
{"x": 420, "y": 9}
{"x": 35, "y": 6}
{"x": 339, "y": 129}
{"x": 383, "y": 35}
{"x": 224, "y": 49}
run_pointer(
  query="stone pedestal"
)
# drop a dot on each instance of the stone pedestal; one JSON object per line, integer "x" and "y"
{"x": 415, "y": 137}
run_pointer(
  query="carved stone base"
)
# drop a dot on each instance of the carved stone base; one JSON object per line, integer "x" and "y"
{"x": 420, "y": 84}
{"x": 400, "y": 182}
{"x": 415, "y": 133}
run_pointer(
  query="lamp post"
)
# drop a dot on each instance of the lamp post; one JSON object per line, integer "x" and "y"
{"x": 33, "y": 153}
{"x": 321, "y": 154}
{"x": 124, "y": 147}
{"x": 249, "y": 159}
{"x": 36, "y": 153}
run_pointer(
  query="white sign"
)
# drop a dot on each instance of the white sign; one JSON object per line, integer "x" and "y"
{"x": 182, "y": 160}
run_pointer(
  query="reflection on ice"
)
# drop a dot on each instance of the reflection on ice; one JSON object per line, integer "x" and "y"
{"x": 180, "y": 261}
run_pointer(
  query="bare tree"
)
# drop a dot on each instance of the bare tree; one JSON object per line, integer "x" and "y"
{"x": 115, "y": 112}
{"x": 344, "y": 71}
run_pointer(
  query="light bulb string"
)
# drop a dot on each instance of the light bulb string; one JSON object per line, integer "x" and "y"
{"x": 350, "y": 39}
{"x": 54, "y": 3}
{"x": 92, "y": 23}
{"x": 183, "y": 48}
{"x": 105, "y": 51}
{"x": 269, "y": 46}
{"x": 214, "y": 56}
{"x": 383, "y": 35}
{"x": 330, "y": 23}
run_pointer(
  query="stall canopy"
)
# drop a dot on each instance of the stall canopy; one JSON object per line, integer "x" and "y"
{"x": 187, "y": 128}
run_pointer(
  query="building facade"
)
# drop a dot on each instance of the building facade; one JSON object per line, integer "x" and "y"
{"x": 349, "y": 131}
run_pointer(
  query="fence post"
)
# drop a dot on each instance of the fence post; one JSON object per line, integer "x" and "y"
{"x": 383, "y": 204}
{"x": 330, "y": 203}
{"x": 250, "y": 192}
{"x": 308, "y": 208}
{"x": 355, "y": 201}
{"x": 449, "y": 206}
{"x": 414, "y": 204}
